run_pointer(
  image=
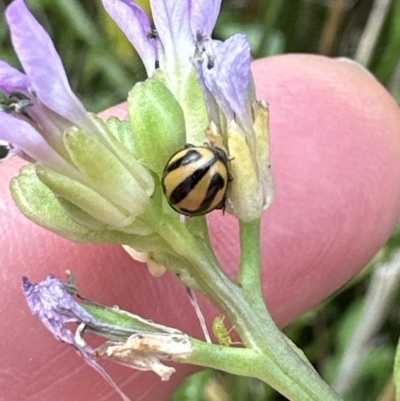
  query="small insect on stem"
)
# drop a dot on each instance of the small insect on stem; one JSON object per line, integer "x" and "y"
{"x": 222, "y": 333}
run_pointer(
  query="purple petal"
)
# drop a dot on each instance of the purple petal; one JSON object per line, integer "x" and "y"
{"x": 12, "y": 80}
{"x": 209, "y": 79}
{"x": 209, "y": 98}
{"x": 42, "y": 64}
{"x": 203, "y": 15}
{"x": 172, "y": 21}
{"x": 50, "y": 302}
{"x": 229, "y": 76}
{"x": 134, "y": 22}
{"x": 45, "y": 299}
{"x": 24, "y": 137}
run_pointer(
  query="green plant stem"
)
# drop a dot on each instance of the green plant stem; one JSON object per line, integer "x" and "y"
{"x": 249, "y": 276}
{"x": 396, "y": 371}
{"x": 229, "y": 359}
{"x": 286, "y": 371}
{"x": 237, "y": 361}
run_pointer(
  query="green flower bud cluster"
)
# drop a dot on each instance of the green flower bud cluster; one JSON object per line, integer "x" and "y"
{"x": 112, "y": 186}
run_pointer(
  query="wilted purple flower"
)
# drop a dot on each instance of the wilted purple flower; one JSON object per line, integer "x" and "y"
{"x": 50, "y": 302}
{"x": 239, "y": 120}
{"x": 141, "y": 348}
{"x": 55, "y": 307}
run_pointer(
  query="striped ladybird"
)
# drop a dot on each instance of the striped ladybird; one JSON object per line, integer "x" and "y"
{"x": 195, "y": 180}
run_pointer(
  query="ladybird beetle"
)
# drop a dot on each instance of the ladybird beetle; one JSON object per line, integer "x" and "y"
{"x": 195, "y": 180}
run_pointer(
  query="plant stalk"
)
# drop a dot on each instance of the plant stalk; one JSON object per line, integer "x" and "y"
{"x": 285, "y": 369}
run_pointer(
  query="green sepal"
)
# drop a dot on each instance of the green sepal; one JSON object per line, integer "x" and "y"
{"x": 138, "y": 227}
{"x": 39, "y": 204}
{"x": 80, "y": 216}
{"x": 106, "y": 175}
{"x": 157, "y": 123}
{"x": 194, "y": 110}
{"x": 85, "y": 198}
{"x": 113, "y": 124}
{"x": 125, "y": 156}
{"x": 123, "y": 132}
{"x": 120, "y": 318}
{"x": 192, "y": 102}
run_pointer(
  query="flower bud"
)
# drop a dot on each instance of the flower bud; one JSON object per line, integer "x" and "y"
{"x": 109, "y": 178}
{"x": 30, "y": 194}
{"x": 157, "y": 123}
{"x": 85, "y": 198}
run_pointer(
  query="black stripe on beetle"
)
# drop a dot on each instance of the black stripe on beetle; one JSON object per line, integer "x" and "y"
{"x": 190, "y": 156}
{"x": 195, "y": 180}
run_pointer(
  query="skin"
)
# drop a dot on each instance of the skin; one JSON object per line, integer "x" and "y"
{"x": 336, "y": 159}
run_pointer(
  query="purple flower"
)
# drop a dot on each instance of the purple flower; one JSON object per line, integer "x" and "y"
{"x": 172, "y": 45}
{"x": 46, "y": 124}
{"x": 226, "y": 79}
{"x": 41, "y": 105}
{"x": 181, "y": 41}
{"x": 177, "y": 23}
{"x": 183, "y": 38}
{"x": 238, "y": 120}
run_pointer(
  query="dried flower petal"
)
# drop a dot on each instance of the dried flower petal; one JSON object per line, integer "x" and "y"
{"x": 145, "y": 351}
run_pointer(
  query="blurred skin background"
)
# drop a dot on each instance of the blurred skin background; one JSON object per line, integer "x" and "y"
{"x": 102, "y": 65}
